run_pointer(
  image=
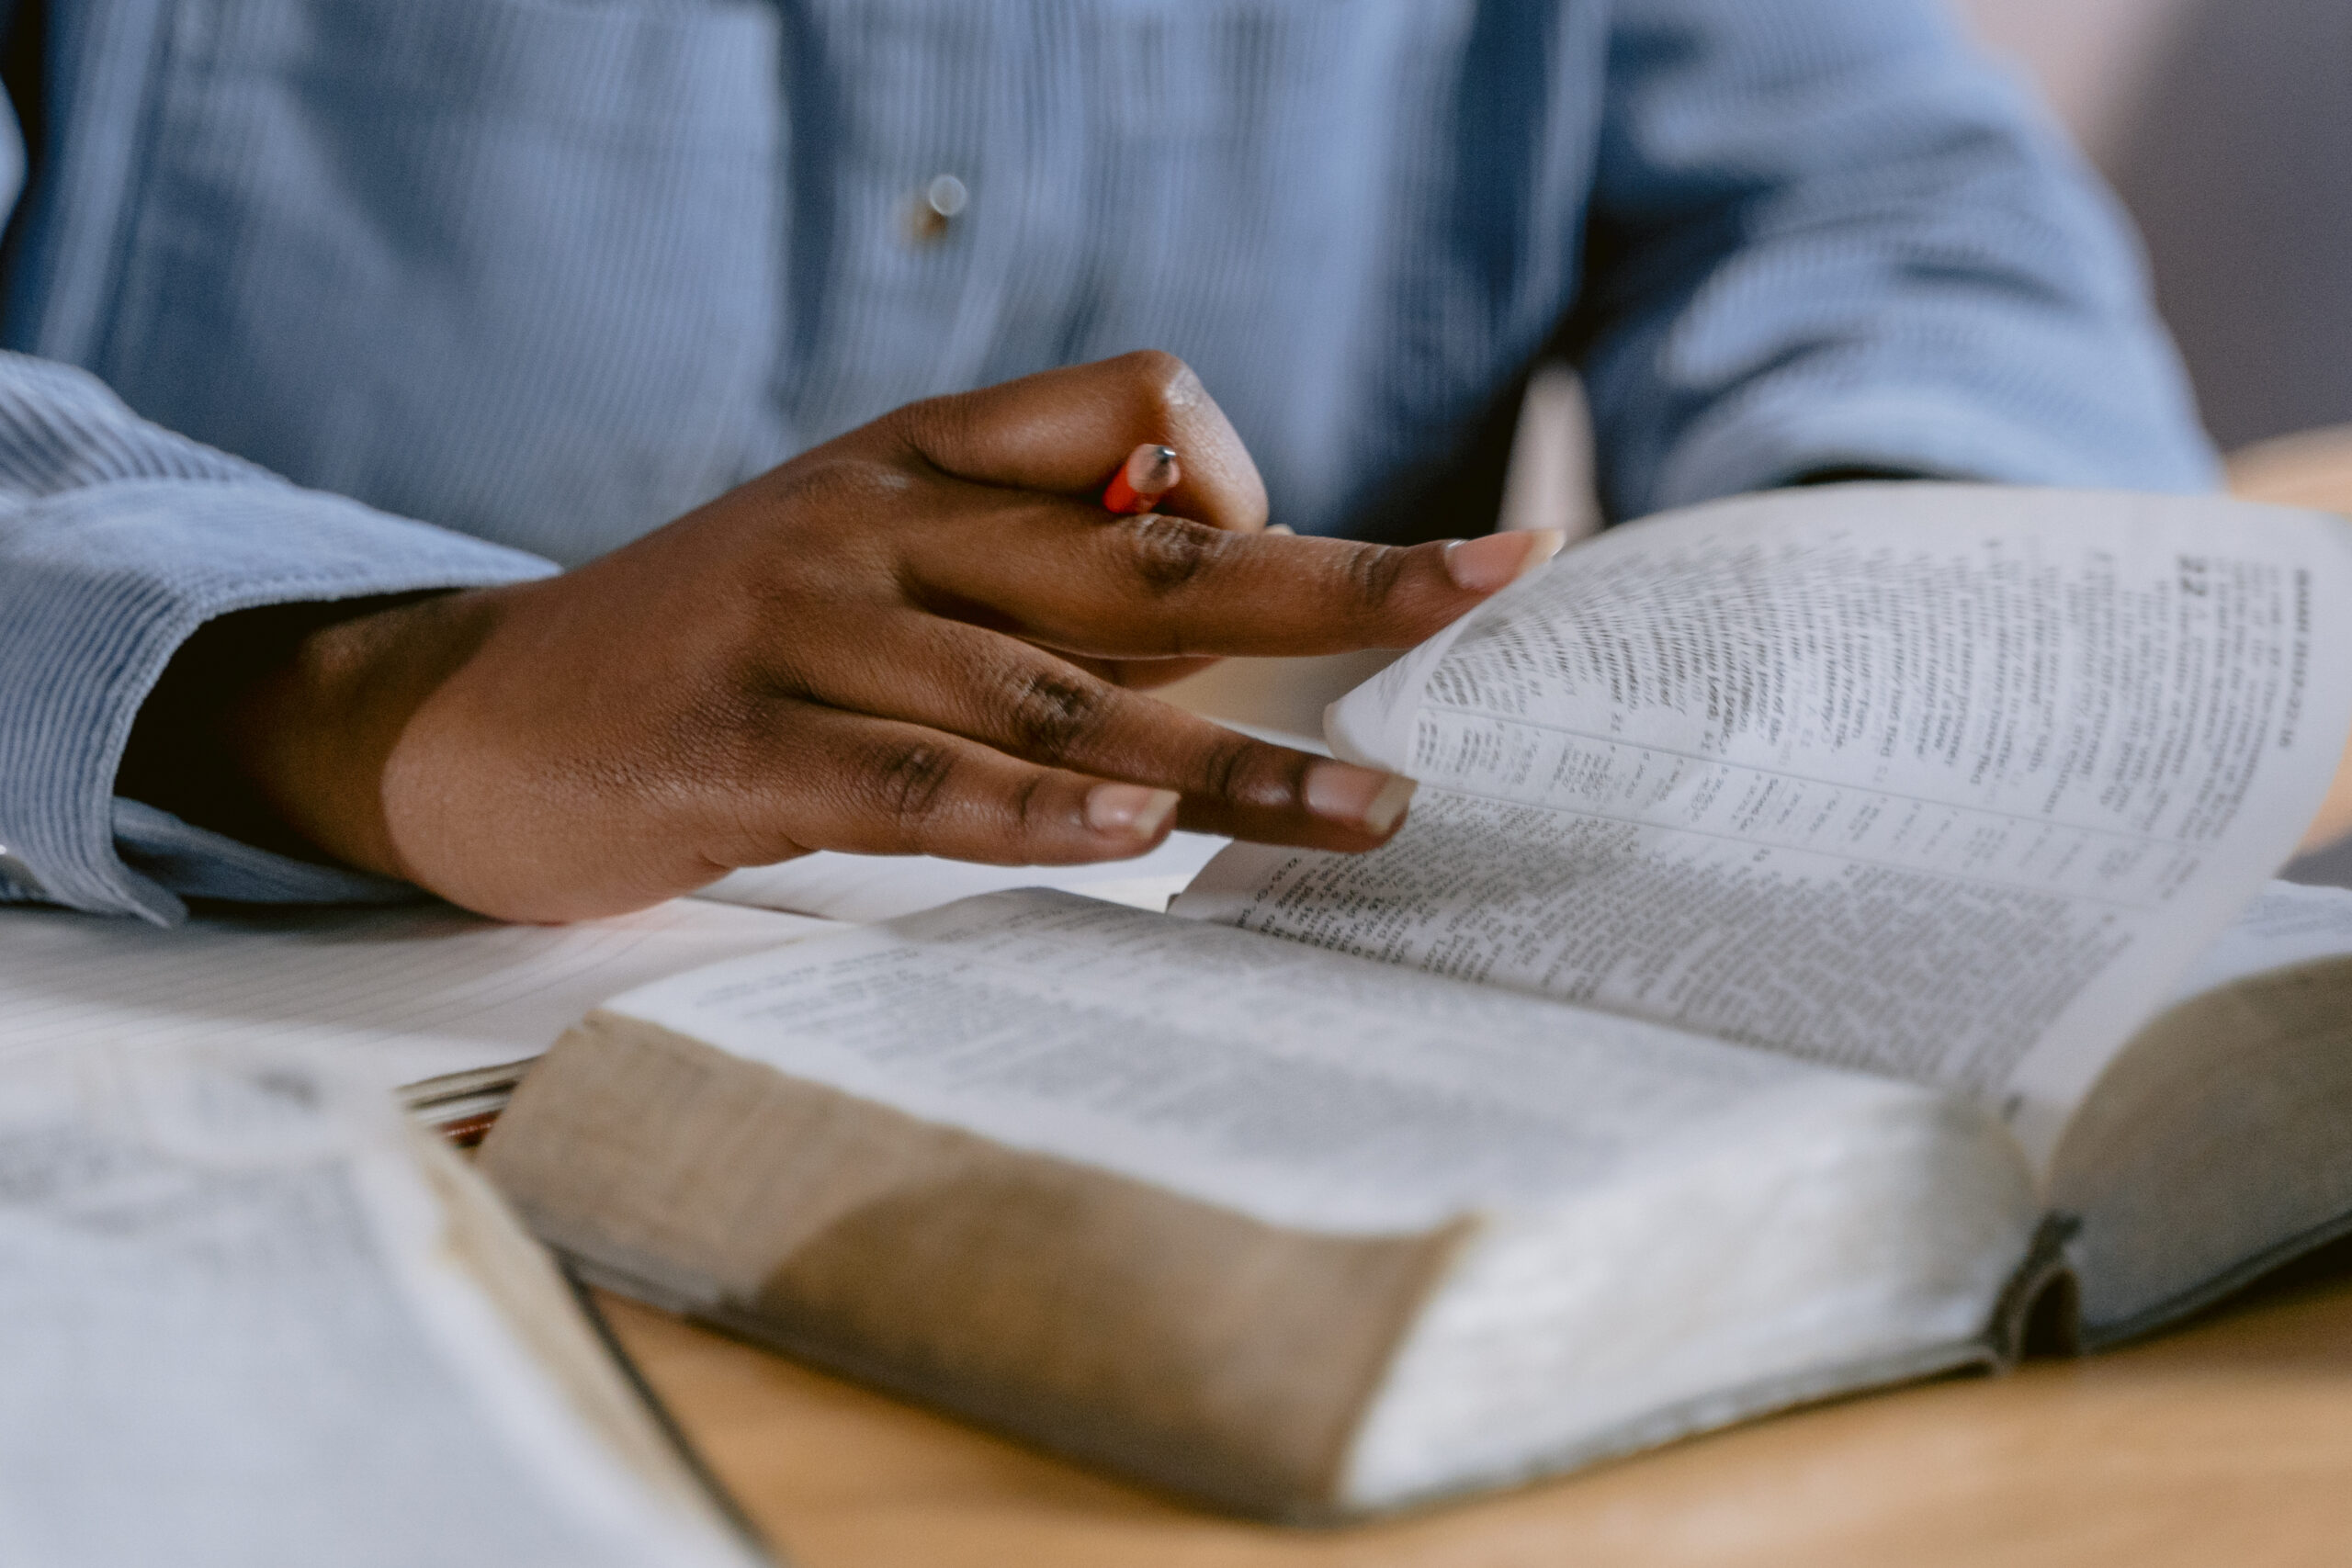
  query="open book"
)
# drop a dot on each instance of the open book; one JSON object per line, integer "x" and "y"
{"x": 253, "y": 1319}
{"x": 1810, "y": 959}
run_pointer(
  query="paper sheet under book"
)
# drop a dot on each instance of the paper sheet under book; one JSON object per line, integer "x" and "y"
{"x": 408, "y": 993}
{"x": 868, "y": 889}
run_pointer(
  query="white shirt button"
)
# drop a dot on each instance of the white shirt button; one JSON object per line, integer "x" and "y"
{"x": 935, "y": 208}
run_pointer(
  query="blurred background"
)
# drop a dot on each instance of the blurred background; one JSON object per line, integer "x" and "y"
{"x": 2226, "y": 127}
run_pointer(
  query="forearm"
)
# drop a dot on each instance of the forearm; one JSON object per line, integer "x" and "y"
{"x": 284, "y": 693}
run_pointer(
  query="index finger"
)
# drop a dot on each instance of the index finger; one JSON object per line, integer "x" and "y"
{"x": 1067, "y": 430}
{"x": 1156, "y": 587}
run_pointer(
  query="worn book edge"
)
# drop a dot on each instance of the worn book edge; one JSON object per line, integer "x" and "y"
{"x": 1110, "y": 1320}
{"x": 859, "y": 1292}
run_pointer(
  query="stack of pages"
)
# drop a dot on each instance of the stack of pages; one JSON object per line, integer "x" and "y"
{"x": 255, "y": 1320}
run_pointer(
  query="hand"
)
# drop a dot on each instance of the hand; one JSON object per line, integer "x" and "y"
{"x": 908, "y": 640}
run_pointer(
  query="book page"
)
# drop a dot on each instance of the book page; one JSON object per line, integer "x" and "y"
{"x": 1305, "y": 1087}
{"x": 235, "y": 1336}
{"x": 409, "y": 993}
{"x": 1944, "y": 782}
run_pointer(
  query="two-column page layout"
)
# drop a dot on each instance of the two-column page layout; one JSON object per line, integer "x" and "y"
{"x": 1937, "y": 780}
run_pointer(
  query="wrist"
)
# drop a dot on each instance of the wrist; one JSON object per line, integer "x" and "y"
{"x": 272, "y": 725}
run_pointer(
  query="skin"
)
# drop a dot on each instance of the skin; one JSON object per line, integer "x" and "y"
{"x": 922, "y": 638}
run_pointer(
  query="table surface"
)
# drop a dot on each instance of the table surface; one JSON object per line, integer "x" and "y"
{"x": 2228, "y": 1440}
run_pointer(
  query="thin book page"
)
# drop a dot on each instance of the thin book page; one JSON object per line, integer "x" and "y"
{"x": 1307, "y": 1088}
{"x": 408, "y": 993}
{"x": 1945, "y": 782}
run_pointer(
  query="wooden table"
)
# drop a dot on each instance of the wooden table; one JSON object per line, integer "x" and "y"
{"x": 2228, "y": 1442}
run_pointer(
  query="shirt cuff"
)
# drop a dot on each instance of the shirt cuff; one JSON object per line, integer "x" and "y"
{"x": 197, "y": 862}
{"x": 99, "y": 586}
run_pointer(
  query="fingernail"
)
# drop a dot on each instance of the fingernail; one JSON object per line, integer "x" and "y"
{"x": 1361, "y": 798}
{"x": 1280, "y": 528}
{"x": 1149, "y": 472}
{"x": 1134, "y": 811}
{"x": 1498, "y": 561}
{"x": 1152, "y": 469}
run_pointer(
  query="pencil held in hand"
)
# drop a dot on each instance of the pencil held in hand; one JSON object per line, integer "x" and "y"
{"x": 1148, "y": 473}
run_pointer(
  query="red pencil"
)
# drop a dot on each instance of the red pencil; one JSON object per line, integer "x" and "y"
{"x": 1149, "y": 472}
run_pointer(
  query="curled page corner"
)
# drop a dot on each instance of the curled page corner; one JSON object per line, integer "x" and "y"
{"x": 1373, "y": 725}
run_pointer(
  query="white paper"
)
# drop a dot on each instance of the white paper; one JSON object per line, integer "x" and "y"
{"x": 865, "y": 888}
{"x": 1948, "y": 782}
{"x": 235, "y": 1338}
{"x": 408, "y": 993}
{"x": 1303, "y": 1086}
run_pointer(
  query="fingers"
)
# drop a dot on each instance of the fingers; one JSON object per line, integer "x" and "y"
{"x": 1141, "y": 674}
{"x": 1333, "y": 793}
{"x": 1148, "y": 674}
{"x": 1069, "y": 431}
{"x": 2334, "y": 818}
{"x": 1014, "y": 698}
{"x": 866, "y": 785}
{"x": 1150, "y": 472}
{"x": 1158, "y": 587}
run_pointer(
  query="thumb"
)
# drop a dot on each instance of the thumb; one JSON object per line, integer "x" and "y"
{"x": 1067, "y": 430}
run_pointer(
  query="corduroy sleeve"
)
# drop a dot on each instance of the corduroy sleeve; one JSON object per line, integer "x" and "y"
{"x": 1827, "y": 234}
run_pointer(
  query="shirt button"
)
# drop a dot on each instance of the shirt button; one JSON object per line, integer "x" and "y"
{"x": 934, "y": 209}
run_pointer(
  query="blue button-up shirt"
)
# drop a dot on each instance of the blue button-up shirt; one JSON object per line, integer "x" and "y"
{"x": 312, "y": 299}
